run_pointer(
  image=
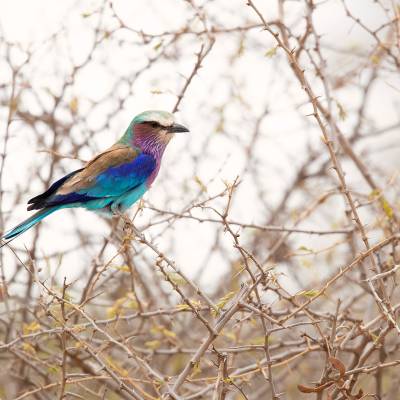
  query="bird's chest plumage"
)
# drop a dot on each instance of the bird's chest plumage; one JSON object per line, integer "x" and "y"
{"x": 154, "y": 174}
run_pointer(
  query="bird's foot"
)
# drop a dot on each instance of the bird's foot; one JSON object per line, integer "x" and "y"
{"x": 128, "y": 228}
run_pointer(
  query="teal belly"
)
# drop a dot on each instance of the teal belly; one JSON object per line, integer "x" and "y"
{"x": 109, "y": 206}
{"x": 127, "y": 200}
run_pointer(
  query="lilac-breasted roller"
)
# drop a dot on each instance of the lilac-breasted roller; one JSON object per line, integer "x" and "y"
{"x": 115, "y": 179}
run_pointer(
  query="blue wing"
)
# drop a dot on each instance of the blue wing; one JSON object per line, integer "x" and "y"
{"x": 108, "y": 176}
{"x": 123, "y": 178}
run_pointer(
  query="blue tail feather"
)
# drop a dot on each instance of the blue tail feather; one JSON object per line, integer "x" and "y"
{"x": 27, "y": 224}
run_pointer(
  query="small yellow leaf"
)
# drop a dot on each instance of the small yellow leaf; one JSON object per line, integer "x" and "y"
{"x": 374, "y": 194}
{"x": 203, "y": 187}
{"x": 182, "y": 307}
{"x": 196, "y": 370}
{"x": 310, "y": 293}
{"x": 195, "y": 303}
{"x": 386, "y": 208}
{"x": 123, "y": 268}
{"x": 128, "y": 301}
{"x": 73, "y": 105}
{"x": 116, "y": 309}
{"x": 271, "y": 52}
{"x": 307, "y": 249}
{"x": 158, "y": 45}
{"x": 223, "y": 300}
{"x": 153, "y": 344}
{"x": 375, "y": 59}
{"x": 111, "y": 312}
{"x": 30, "y": 328}
{"x": 155, "y": 329}
{"x": 132, "y": 304}
{"x": 27, "y": 347}
{"x": 168, "y": 333}
{"x": 176, "y": 279}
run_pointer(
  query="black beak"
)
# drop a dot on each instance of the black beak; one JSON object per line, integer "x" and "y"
{"x": 177, "y": 128}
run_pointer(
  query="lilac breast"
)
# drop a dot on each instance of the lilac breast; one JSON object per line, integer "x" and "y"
{"x": 149, "y": 142}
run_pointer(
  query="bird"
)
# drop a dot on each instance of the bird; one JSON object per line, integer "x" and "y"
{"x": 115, "y": 179}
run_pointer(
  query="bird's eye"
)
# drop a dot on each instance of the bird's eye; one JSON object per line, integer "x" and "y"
{"x": 154, "y": 124}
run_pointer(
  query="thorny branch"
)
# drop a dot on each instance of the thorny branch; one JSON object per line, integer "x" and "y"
{"x": 270, "y": 284}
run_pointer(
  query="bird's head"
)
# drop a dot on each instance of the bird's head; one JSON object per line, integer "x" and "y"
{"x": 162, "y": 122}
{"x": 151, "y": 131}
